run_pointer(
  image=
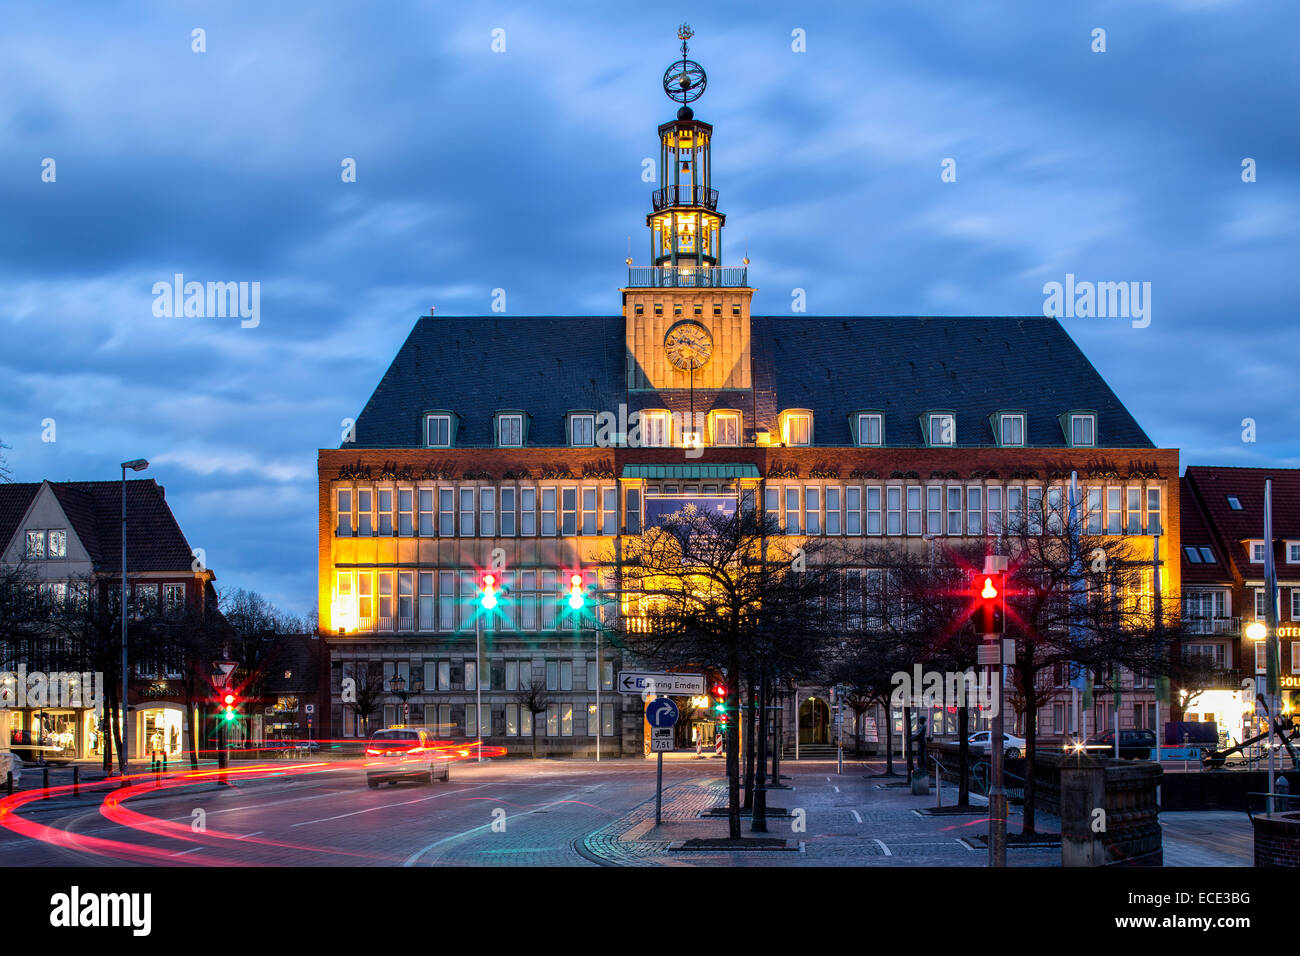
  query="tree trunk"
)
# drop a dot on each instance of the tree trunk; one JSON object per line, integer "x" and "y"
{"x": 778, "y": 720}
{"x": 889, "y": 739}
{"x": 907, "y": 739}
{"x": 119, "y": 730}
{"x": 751, "y": 722}
{"x": 733, "y": 751}
{"x": 1031, "y": 737}
{"x": 106, "y": 739}
{"x": 758, "y": 823}
{"x": 963, "y": 757}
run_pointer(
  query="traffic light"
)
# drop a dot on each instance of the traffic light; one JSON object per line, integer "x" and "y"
{"x": 576, "y": 598}
{"x": 990, "y": 603}
{"x": 489, "y": 592}
{"x": 229, "y": 701}
{"x": 720, "y": 703}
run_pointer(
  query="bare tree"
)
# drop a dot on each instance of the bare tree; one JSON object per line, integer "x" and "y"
{"x": 369, "y": 686}
{"x": 728, "y": 593}
{"x": 534, "y": 698}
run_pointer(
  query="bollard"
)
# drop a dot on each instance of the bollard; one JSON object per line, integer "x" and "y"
{"x": 9, "y": 783}
{"x": 76, "y": 781}
{"x": 1283, "y": 787}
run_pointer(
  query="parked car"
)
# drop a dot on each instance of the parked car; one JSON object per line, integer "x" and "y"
{"x": 1134, "y": 744}
{"x": 1013, "y": 747}
{"x": 404, "y": 754}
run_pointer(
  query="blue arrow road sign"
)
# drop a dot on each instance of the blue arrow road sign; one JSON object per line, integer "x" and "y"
{"x": 661, "y": 712}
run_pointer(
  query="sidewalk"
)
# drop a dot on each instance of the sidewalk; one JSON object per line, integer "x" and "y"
{"x": 853, "y": 819}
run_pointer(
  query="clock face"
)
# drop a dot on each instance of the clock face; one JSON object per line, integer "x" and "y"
{"x": 689, "y": 345}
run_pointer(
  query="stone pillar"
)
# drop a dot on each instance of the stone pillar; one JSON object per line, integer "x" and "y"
{"x": 1083, "y": 790}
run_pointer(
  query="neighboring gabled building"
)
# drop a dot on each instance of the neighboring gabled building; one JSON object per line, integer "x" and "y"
{"x": 540, "y": 441}
{"x": 1222, "y": 560}
{"x": 68, "y": 535}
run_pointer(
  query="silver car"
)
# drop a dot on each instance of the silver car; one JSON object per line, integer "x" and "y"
{"x": 404, "y": 754}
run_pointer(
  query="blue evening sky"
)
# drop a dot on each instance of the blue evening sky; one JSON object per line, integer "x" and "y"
{"x": 521, "y": 170}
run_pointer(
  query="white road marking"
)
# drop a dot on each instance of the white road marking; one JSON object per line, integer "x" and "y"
{"x": 386, "y": 806}
{"x": 883, "y": 847}
{"x": 184, "y": 852}
{"x": 856, "y": 816}
{"x": 837, "y": 789}
{"x": 253, "y": 834}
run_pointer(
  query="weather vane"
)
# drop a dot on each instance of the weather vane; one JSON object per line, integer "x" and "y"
{"x": 684, "y": 80}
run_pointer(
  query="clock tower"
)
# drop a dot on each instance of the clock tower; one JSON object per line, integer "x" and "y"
{"x": 686, "y": 316}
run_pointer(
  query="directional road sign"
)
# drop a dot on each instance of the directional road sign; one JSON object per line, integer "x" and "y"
{"x": 661, "y": 713}
{"x": 681, "y": 685}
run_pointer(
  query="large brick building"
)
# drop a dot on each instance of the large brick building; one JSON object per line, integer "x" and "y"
{"x": 550, "y": 437}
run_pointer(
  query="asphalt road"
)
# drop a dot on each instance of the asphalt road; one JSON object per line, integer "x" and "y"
{"x": 493, "y": 813}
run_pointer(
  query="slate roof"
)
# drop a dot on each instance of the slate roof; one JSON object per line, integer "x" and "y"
{"x": 1195, "y": 531}
{"x": 1213, "y": 485}
{"x": 902, "y": 366}
{"x": 154, "y": 540}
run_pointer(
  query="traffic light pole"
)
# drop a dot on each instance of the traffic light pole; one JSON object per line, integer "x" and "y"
{"x": 997, "y": 792}
{"x": 478, "y": 681}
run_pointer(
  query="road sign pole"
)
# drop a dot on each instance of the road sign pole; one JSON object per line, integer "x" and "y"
{"x": 659, "y": 789}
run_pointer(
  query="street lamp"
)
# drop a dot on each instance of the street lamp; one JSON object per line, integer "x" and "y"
{"x": 135, "y": 464}
{"x": 397, "y": 684}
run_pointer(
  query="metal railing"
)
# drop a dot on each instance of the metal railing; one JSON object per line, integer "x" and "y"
{"x": 1212, "y": 625}
{"x": 686, "y": 277}
{"x": 684, "y": 196}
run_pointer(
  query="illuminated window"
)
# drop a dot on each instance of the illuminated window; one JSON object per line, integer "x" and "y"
{"x": 726, "y": 428}
{"x": 797, "y": 428}
{"x": 654, "y": 429}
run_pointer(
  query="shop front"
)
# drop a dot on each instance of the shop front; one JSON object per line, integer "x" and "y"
{"x": 159, "y": 724}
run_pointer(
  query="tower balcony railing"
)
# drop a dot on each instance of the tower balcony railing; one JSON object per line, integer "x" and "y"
{"x": 686, "y": 277}
{"x": 684, "y": 196}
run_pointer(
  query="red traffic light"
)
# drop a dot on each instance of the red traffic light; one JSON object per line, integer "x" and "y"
{"x": 720, "y": 690}
{"x": 990, "y": 603}
{"x": 229, "y": 700}
{"x": 488, "y": 593}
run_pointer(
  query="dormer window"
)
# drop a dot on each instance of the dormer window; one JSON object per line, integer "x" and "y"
{"x": 796, "y": 427}
{"x": 654, "y": 429}
{"x": 1256, "y": 549}
{"x": 941, "y": 429}
{"x": 437, "y": 430}
{"x": 870, "y": 430}
{"x": 582, "y": 429}
{"x": 510, "y": 430}
{"x": 1082, "y": 429}
{"x": 726, "y": 428}
{"x": 1011, "y": 429}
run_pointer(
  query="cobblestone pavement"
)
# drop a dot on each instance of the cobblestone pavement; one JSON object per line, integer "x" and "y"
{"x": 849, "y": 819}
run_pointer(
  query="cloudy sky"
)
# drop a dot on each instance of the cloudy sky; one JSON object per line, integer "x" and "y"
{"x": 521, "y": 170}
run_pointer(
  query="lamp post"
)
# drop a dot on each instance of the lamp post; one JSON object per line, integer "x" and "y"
{"x": 135, "y": 464}
{"x": 397, "y": 684}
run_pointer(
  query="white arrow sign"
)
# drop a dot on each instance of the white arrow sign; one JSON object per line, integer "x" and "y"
{"x": 680, "y": 685}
